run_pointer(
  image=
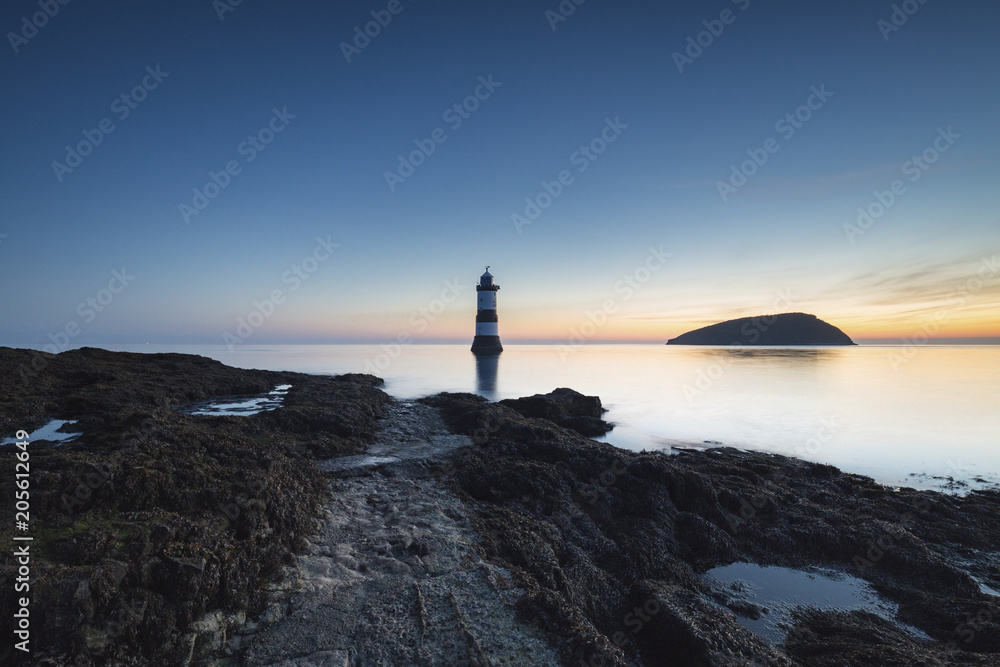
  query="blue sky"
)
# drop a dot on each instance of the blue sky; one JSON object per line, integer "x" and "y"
{"x": 345, "y": 124}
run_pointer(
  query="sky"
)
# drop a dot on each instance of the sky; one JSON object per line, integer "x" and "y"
{"x": 309, "y": 172}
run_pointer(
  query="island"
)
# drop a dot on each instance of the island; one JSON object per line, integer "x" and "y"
{"x": 782, "y": 329}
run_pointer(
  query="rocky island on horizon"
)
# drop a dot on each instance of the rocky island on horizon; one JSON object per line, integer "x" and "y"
{"x": 348, "y": 528}
{"x": 774, "y": 330}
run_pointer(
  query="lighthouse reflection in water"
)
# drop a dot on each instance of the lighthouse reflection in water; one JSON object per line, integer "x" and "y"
{"x": 487, "y": 368}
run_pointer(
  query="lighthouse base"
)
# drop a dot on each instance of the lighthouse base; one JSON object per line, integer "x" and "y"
{"x": 486, "y": 345}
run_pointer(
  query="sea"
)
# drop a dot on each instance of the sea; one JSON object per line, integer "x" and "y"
{"x": 919, "y": 416}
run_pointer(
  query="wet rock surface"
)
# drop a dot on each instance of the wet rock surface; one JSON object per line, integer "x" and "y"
{"x": 610, "y": 546}
{"x": 152, "y": 519}
{"x": 394, "y": 574}
{"x": 565, "y": 407}
{"x": 345, "y": 528}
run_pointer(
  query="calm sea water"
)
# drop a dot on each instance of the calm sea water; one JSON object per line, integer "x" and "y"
{"x": 903, "y": 416}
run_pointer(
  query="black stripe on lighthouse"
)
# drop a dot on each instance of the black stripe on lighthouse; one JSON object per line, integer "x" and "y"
{"x": 486, "y": 316}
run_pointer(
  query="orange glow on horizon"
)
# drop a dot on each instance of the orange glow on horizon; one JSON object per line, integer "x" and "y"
{"x": 515, "y": 327}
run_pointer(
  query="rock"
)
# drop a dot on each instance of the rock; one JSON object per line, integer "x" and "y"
{"x": 154, "y": 517}
{"x": 210, "y": 634}
{"x": 593, "y": 533}
{"x": 159, "y": 533}
{"x": 274, "y": 613}
{"x": 213, "y": 634}
{"x": 675, "y": 621}
{"x": 186, "y": 648}
{"x": 565, "y": 407}
{"x": 325, "y": 659}
{"x": 162, "y": 529}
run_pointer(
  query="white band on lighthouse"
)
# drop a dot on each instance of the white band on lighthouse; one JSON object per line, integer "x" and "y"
{"x": 487, "y": 329}
{"x": 487, "y": 300}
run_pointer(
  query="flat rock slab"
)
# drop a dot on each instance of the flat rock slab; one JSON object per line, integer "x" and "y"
{"x": 393, "y": 576}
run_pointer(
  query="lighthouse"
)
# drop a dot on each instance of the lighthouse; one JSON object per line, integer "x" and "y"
{"x": 487, "y": 340}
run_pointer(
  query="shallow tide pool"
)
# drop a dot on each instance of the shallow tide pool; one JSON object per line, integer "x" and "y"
{"x": 49, "y": 433}
{"x": 240, "y": 406}
{"x": 778, "y": 591}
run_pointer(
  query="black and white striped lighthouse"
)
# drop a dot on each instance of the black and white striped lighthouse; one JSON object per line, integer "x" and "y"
{"x": 487, "y": 340}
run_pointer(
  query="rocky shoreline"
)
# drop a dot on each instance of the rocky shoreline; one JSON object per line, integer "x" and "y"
{"x": 346, "y": 528}
{"x": 152, "y": 518}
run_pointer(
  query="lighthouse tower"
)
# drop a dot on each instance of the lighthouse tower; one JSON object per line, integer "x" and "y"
{"x": 487, "y": 340}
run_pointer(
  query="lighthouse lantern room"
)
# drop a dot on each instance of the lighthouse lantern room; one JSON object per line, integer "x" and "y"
{"x": 487, "y": 340}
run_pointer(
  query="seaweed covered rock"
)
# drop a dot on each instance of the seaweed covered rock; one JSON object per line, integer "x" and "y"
{"x": 567, "y": 408}
{"x": 153, "y": 517}
{"x": 610, "y": 546}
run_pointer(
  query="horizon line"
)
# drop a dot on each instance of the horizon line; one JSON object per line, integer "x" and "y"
{"x": 950, "y": 340}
